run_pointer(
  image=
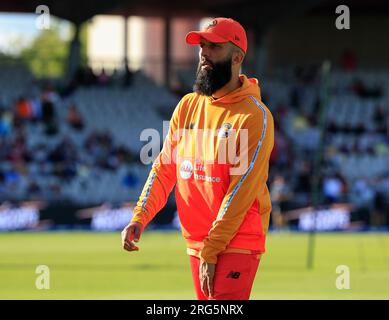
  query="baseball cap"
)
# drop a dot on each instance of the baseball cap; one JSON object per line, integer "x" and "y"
{"x": 220, "y": 30}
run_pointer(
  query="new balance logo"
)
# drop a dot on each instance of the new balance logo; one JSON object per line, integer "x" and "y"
{"x": 233, "y": 275}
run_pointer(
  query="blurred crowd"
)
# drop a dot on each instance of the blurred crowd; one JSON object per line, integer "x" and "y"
{"x": 293, "y": 178}
{"x": 85, "y": 77}
{"x": 25, "y": 165}
{"x": 298, "y": 140}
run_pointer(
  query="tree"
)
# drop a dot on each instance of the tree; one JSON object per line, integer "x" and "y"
{"x": 47, "y": 54}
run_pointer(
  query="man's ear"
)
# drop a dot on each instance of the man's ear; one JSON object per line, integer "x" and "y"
{"x": 237, "y": 57}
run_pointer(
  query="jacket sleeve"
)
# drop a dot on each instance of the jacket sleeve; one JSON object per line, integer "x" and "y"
{"x": 244, "y": 186}
{"x": 161, "y": 179}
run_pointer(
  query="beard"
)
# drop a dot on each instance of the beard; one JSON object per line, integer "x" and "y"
{"x": 208, "y": 81}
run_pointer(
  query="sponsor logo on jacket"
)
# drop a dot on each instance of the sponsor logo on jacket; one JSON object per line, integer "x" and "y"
{"x": 186, "y": 169}
{"x": 186, "y": 172}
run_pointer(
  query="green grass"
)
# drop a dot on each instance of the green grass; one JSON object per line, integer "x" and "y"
{"x": 93, "y": 266}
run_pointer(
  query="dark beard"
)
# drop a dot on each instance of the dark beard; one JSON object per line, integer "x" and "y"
{"x": 209, "y": 81}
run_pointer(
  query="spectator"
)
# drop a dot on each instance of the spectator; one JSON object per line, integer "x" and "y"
{"x": 36, "y": 109}
{"x": 115, "y": 77}
{"x": 382, "y": 199}
{"x": 304, "y": 178}
{"x": 74, "y": 118}
{"x": 33, "y": 189}
{"x": 333, "y": 188}
{"x": 348, "y": 60}
{"x": 362, "y": 197}
{"x": 103, "y": 79}
{"x": 23, "y": 109}
{"x": 48, "y": 113}
{"x": 130, "y": 180}
{"x": 128, "y": 77}
{"x": 381, "y": 119}
{"x": 279, "y": 193}
{"x": 6, "y": 120}
{"x": 281, "y": 155}
{"x": 363, "y": 91}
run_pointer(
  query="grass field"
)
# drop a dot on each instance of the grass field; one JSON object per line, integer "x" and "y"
{"x": 93, "y": 266}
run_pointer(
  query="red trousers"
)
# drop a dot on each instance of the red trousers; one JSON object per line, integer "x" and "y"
{"x": 233, "y": 279}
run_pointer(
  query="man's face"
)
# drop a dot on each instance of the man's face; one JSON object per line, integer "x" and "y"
{"x": 215, "y": 67}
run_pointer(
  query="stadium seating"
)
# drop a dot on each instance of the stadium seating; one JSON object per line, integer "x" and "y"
{"x": 354, "y": 146}
{"x": 123, "y": 112}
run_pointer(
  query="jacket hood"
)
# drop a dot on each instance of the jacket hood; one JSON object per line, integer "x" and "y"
{"x": 249, "y": 87}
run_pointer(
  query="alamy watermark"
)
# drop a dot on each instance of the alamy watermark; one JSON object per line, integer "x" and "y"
{"x": 343, "y": 20}
{"x": 42, "y": 281}
{"x": 43, "y": 20}
{"x": 222, "y": 146}
{"x": 343, "y": 280}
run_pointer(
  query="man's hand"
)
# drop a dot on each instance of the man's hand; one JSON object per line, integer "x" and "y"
{"x": 206, "y": 273}
{"x": 131, "y": 233}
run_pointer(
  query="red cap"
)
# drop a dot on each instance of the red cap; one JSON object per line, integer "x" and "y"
{"x": 221, "y": 30}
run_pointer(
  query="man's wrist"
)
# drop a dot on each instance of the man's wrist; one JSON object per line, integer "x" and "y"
{"x": 208, "y": 257}
{"x": 139, "y": 216}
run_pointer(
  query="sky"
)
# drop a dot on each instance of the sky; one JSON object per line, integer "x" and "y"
{"x": 22, "y": 26}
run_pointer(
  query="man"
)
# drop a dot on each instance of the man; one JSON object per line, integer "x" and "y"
{"x": 223, "y": 202}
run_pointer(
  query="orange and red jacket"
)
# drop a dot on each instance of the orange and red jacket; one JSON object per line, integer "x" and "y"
{"x": 222, "y": 204}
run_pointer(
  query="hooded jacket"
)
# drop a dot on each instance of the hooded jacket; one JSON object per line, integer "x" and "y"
{"x": 217, "y": 155}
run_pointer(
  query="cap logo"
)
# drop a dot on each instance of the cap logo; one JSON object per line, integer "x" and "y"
{"x": 212, "y": 24}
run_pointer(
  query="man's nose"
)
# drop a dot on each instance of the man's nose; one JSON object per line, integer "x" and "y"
{"x": 204, "y": 53}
